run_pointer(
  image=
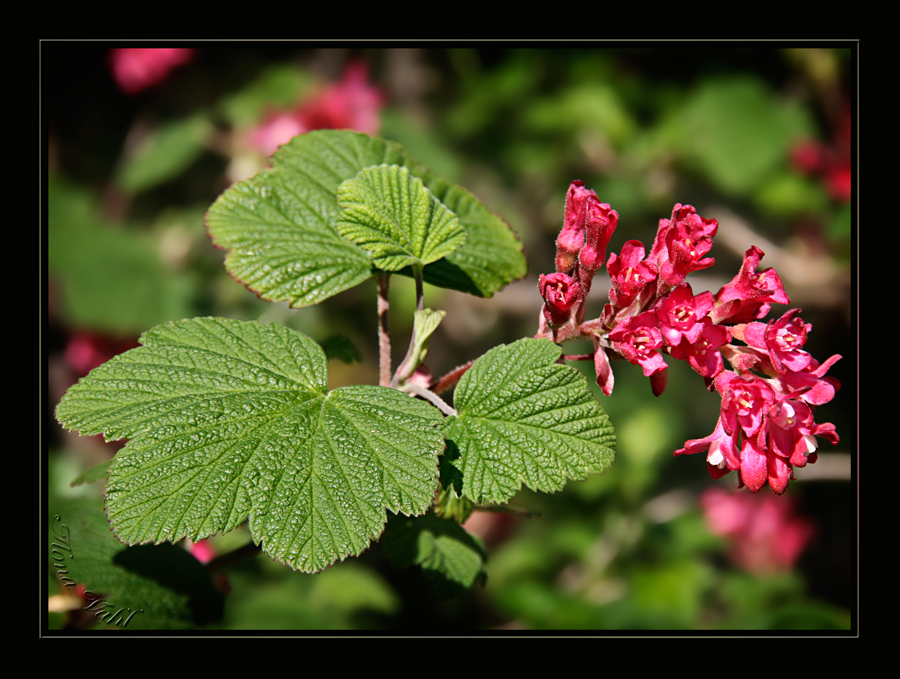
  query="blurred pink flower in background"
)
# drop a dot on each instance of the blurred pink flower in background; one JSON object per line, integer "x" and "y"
{"x": 85, "y": 351}
{"x": 352, "y": 103}
{"x": 137, "y": 68}
{"x": 764, "y": 532}
{"x": 831, "y": 162}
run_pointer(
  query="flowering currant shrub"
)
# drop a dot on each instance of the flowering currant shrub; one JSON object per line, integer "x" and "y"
{"x": 232, "y": 421}
{"x": 766, "y": 426}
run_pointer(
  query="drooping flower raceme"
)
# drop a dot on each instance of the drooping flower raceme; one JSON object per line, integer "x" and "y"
{"x": 766, "y": 424}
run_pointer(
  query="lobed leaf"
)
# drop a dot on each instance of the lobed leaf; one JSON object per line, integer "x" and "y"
{"x": 390, "y": 214}
{"x": 524, "y": 418}
{"x": 279, "y": 226}
{"x": 231, "y": 419}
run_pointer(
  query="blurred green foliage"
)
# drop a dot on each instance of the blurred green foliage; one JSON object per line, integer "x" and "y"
{"x": 131, "y": 177}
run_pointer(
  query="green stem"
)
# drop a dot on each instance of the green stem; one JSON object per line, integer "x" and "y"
{"x": 404, "y": 370}
{"x": 420, "y": 288}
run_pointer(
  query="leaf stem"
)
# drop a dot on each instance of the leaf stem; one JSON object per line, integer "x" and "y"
{"x": 449, "y": 380}
{"x": 384, "y": 336}
{"x": 420, "y": 305}
{"x": 420, "y": 288}
{"x": 430, "y": 396}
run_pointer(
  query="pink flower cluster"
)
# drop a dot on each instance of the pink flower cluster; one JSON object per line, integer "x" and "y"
{"x": 352, "y": 103}
{"x": 766, "y": 425}
{"x": 137, "y": 68}
{"x": 764, "y": 533}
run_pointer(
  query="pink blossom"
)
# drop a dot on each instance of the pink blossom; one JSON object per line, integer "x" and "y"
{"x": 782, "y": 340}
{"x": 746, "y": 399}
{"x": 722, "y": 457}
{"x": 639, "y": 340}
{"x": 605, "y": 378}
{"x": 137, "y": 68}
{"x": 764, "y": 532}
{"x": 810, "y": 384}
{"x": 561, "y": 293}
{"x": 704, "y": 354}
{"x": 571, "y": 236}
{"x": 681, "y": 314}
{"x": 629, "y": 273}
{"x": 749, "y": 295}
{"x": 681, "y": 243}
{"x": 792, "y": 431}
{"x": 771, "y": 433}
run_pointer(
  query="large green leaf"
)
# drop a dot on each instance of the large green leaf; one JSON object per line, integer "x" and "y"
{"x": 279, "y": 226}
{"x": 524, "y": 418}
{"x": 390, "y": 214}
{"x": 231, "y": 419}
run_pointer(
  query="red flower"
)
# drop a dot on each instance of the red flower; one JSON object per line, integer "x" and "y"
{"x": 782, "y": 340}
{"x": 681, "y": 314}
{"x": 681, "y": 243}
{"x": 749, "y": 295}
{"x": 137, "y": 68}
{"x": 704, "y": 354}
{"x": 770, "y": 433}
{"x": 629, "y": 273}
{"x": 560, "y": 294}
{"x": 639, "y": 340}
{"x": 722, "y": 457}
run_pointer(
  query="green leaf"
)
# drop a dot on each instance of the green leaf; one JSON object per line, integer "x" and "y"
{"x": 452, "y": 558}
{"x": 524, "y": 418}
{"x": 231, "y": 419}
{"x": 279, "y": 226}
{"x": 731, "y": 118}
{"x": 341, "y": 348}
{"x": 165, "y": 153}
{"x": 96, "y": 473}
{"x": 390, "y": 214}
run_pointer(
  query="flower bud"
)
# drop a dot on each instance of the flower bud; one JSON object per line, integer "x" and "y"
{"x": 560, "y": 294}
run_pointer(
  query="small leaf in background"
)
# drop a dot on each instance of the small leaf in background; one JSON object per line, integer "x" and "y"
{"x": 96, "y": 473}
{"x": 736, "y": 131}
{"x": 392, "y": 216}
{"x": 165, "y": 153}
{"x": 231, "y": 419}
{"x": 154, "y": 587}
{"x": 523, "y": 418}
{"x": 451, "y": 558}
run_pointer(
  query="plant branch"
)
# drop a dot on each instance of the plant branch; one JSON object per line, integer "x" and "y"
{"x": 384, "y": 336}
